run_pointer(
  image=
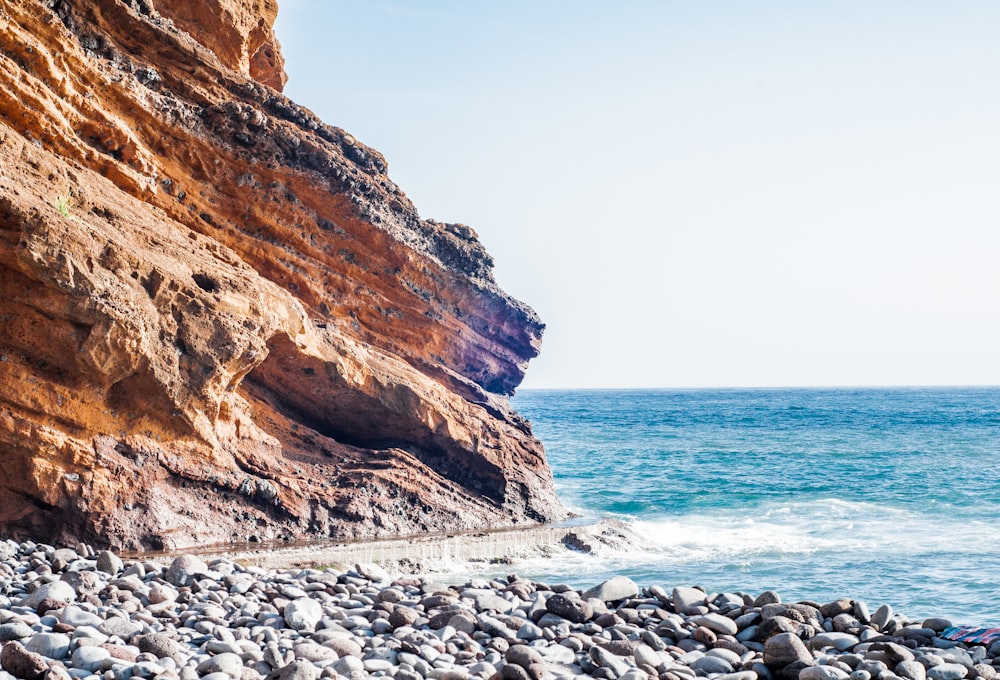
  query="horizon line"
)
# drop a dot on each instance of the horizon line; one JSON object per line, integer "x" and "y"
{"x": 689, "y": 388}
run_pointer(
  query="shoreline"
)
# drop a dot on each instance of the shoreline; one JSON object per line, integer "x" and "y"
{"x": 419, "y": 552}
{"x": 79, "y": 614}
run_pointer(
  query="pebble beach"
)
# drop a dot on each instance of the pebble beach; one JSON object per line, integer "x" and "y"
{"x": 76, "y": 613}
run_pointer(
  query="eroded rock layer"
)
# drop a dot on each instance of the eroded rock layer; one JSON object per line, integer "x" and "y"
{"x": 219, "y": 318}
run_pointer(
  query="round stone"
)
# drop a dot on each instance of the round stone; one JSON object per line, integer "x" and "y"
{"x": 571, "y": 609}
{"x": 914, "y": 670}
{"x": 21, "y": 663}
{"x": 718, "y": 623}
{"x": 59, "y": 591}
{"x": 523, "y": 655}
{"x": 613, "y": 590}
{"x": 822, "y": 673}
{"x": 298, "y": 670}
{"x": 75, "y": 616}
{"x": 161, "y": 593}
{"x": 109, "y": 563}
{"x": 15, "y": 630}
{"x": 784, "y": 649}
{"x": 89, "y": 658}
{"x": 159, "y": 645}
{"x": 686, "y": 599}
{"x": 712, "y": 664}
{"x": 947, "y": 671}
{"x": 51, "y": 645}
{"x": 185, "y": 569}
{"x": 227, "y": 662}
{"x": 303, "y": 614}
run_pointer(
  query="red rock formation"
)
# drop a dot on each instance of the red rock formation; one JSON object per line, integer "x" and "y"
{"x": 219, "y": 318}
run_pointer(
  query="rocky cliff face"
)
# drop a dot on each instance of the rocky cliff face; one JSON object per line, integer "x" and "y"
{"x": 219, "y": 318}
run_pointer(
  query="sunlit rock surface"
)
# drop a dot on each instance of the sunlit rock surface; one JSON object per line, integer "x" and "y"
{"x": 219, "y": 318}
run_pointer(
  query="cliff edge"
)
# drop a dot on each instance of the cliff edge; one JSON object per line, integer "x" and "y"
{"x": 219, "y": 318}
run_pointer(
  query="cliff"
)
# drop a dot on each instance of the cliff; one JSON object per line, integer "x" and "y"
{"x": 220, "y": 320}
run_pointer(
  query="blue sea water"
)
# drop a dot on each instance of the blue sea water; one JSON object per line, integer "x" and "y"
{"x": 887, "y": 495}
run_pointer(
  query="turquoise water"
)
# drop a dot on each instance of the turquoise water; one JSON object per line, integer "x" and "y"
{"x": 887, "y": 495}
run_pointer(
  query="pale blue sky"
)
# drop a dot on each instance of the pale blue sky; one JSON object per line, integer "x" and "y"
{"x": 696, "y": 193}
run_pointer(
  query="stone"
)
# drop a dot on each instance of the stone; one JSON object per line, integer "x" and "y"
{"x": 21, "y": 663}
{"x": 514, "y": 672}
{"x": 109, "y": 563}
{"x": 784, "y": 649}
{"x": 841, "y": 641}
{"x": 712, "y": 664}
{"x": 644, "y": 654}
{"x": 403, "y": 616}
{"x": 15, "y": 630}
{"x": 767, "y": 597}
{"x": 936, "y": 624}
{"x": 123, "y": 628}
{"x": 303, "y": 614}
{"x": 685, "y": 599}
{"x": 346, "y": 665}
{"x": 571, "y": 609}
{"x": 717, "y": 623}
{"x": 522, "y": 655}
{"x": 298, "y": 670}
{"x": 913, "y": 670}
{"x": 823, "y": 673}
{"x": 947, "y": 671}
{"x": 159, "y": 645}
{"x": 529, "y": 631}
{"x": 463, "y": 623}
{"x": 50, "y": 645}
{"x": 344, "y": 647}
{"x": 310, "y": 651}
{"x": 984, "y": 671}
{"x": 89, "y": 658}
{"x": 613, "y": 589}
{"x": 58, "y": 591}
{"x": 487, "y": 600}
{"x": 606, "y": 659}
{"x": 739, "y": 675}
{"x": 881, "y": 617}
{"x": 228, "y": 663}
{"x": 83, "y": 582}
{"x": 75, "y": 616}
{"x": 161, "y": 593}
{"x": 372, "y": 572}
{"x": 185, "y": 569}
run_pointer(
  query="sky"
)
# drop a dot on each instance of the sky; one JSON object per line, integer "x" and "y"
{"x": 696, "y": 194}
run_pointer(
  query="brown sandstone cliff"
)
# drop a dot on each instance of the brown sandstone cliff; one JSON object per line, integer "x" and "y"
{"x": 219, "y": 318}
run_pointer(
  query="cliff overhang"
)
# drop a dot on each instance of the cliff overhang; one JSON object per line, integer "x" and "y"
{"x": 219, "y": 318}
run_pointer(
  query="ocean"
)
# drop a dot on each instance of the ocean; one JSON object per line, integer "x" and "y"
{"x": 891, "y": 496}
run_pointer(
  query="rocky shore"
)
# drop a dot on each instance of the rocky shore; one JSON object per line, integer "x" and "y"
{"x": 73, "y": 613}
